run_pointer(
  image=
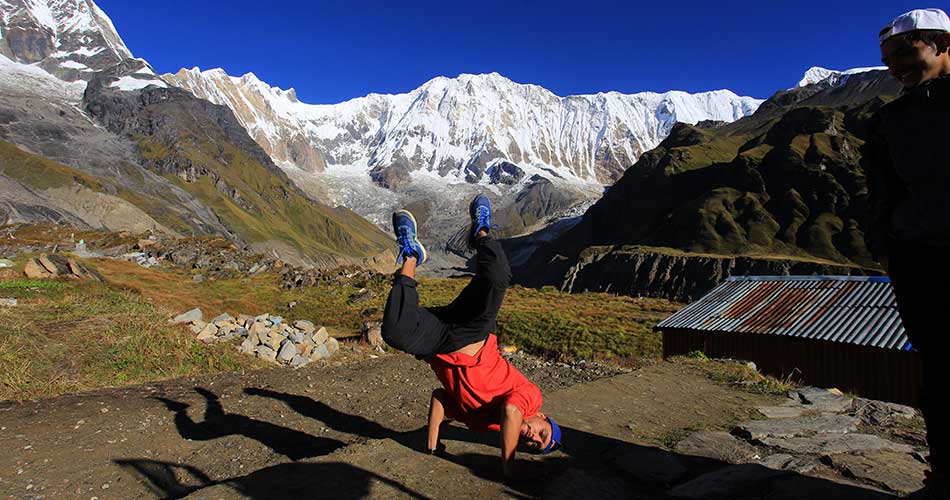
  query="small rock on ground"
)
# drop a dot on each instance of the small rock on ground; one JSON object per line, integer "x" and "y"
{"x": 299, "y": 361}
{"x": 192, "y": 315}
{"x": 207, "y": 333}
{"x": 287, "y": 351}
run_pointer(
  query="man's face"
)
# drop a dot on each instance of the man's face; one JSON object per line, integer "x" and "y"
{"x": 912, "y": 62}
{"x": 535, "y": 433}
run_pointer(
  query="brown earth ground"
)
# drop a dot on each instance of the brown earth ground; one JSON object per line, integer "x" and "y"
{"x": 354, "y": 429}
{"x": 348, "y": 427}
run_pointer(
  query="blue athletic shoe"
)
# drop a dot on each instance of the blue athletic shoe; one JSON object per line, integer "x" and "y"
{"x": 480, "y": 212}
{"x": 404, "y": 225}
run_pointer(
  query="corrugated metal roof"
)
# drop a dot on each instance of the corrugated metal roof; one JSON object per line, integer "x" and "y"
{"x": 858, "y": 310}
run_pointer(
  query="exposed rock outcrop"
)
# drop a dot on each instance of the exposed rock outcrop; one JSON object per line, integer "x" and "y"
{"x": 651, "y": 273}
{"x": 786, "y": 181}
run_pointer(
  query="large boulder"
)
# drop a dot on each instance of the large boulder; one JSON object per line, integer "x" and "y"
{"x": 33, "y": 270}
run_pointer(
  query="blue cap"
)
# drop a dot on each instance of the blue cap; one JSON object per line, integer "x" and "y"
{"x": 555, "y": 443}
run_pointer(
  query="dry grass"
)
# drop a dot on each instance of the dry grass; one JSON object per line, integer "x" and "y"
{"x": 71, "y": 336}
{"x": 566, "y": 326}
{"x": 67, "y": 336}
{"x": 736, "y": 375}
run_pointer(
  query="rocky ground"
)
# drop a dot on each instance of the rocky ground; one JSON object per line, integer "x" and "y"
{"x": 353, "y": 427}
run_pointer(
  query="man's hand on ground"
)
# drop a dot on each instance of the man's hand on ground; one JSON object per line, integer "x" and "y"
{"x": 438, "y": 451}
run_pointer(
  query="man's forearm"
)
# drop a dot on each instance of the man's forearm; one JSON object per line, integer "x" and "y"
{"x": 511, "y": 419}
{"x": 436, "y": 416}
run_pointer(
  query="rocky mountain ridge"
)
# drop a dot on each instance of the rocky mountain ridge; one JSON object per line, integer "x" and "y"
{"x": 71, "y": 39}
{"x": 539, "y": 156}
{"x": 113, "y": 147}
{"x": 785, "y": 182}
{"x": 459, "y": 126}
{"x": 679, "y": 277}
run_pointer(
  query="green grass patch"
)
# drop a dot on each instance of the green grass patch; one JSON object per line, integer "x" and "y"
{"x": 68, "y": 336}
{"x": 266, "y": 207}
{"x": 38, "y": 172}
{"x": 719, "y": 150}
{"x": 547, "y": 321}
{"x": 27, "y": 284}
{"x": 568, "y": 326}
{"x": 700, "y": 355}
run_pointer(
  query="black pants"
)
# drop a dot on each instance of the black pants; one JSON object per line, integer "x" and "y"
{"x": 468, "y": 319}
{"x": 921, "y": 281}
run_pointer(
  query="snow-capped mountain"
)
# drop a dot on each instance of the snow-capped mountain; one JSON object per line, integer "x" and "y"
{"x": 817, "y": 74}
{"x": 458, "y": 127}
{"x": 53, "y": 47}
{"x": 72, "y": 39}
{"x": 542, "y": 157}
{"x": 76, "y": 109}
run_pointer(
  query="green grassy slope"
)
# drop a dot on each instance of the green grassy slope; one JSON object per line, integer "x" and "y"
{"x": 39, "y": 173}
{"x": 202, "y": 148}
{"x": 786, "y": 181}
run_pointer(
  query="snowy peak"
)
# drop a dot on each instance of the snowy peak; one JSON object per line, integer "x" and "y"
{"x": 71, "y": 39}
{"x": 817, "y": 74}
{"x": 457, "y": 127}
{"x": 264, "y": 111}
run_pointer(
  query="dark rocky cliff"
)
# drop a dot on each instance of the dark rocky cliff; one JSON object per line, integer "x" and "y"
{"x": 649, "y": 272}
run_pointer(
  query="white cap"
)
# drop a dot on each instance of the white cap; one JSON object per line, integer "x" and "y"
{"x": 920, "y": 19}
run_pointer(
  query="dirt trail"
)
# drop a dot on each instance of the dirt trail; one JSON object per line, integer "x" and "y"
{"x": 351, "y": 431}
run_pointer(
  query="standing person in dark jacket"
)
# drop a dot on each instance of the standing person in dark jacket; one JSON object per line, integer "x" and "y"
{"x": 908, "y": 170}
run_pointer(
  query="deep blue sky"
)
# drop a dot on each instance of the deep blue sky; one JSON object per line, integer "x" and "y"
{"x": 333, "y": 51}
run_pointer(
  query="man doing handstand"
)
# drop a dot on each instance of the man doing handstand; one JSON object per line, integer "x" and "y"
{"x": 479, "y": 387}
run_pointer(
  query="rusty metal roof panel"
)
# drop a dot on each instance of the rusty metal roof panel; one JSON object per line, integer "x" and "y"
{"x": 849, "y": 309}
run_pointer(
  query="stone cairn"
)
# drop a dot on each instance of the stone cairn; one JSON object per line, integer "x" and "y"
{"x": 268, "y": 337}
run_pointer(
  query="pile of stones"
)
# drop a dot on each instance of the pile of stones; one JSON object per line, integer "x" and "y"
{"x": 214, "y": 256}
{"x": 292, "y": 277}
{"x": 58, "y": 266}
{"x": 267, "y": 337}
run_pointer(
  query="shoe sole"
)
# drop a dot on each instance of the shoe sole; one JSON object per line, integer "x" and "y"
{"x": 425, "y": 255}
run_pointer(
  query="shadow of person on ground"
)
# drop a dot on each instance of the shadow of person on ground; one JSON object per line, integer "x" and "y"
{"x": 280, "y": 482}
{"x": 166, "y": 480}
{"x": 594, "y": 466}
{"x": 217, "y": 423}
